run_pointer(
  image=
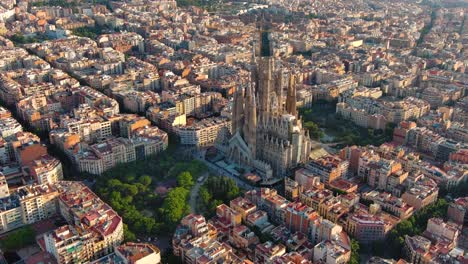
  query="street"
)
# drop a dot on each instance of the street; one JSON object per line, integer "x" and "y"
{"x": 194, "y": 193}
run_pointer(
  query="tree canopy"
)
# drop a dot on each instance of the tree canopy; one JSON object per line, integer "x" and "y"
{"x": 175, "y": 205}
{"x": 215, "y": 191}
{"x": 18, "y": 239}
{"x": 355, "y": 259}
{"x": 130, "y": 189}
{"x": 185, "y": 180}
{"x": 314, "y": 130}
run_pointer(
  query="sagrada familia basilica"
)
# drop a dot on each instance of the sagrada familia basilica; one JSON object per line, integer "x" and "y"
{"x": 267, "y": 134}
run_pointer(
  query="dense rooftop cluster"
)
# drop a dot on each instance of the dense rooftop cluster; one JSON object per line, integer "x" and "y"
{"x": 109, "y": 83}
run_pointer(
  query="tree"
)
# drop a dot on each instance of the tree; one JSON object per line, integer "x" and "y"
{"x": 175, "y": 205}
{"x": 128, "y": 235}
{"x": 233, "y": 191}
{"x": 21, "y": 39}
{"x": 314, "y": 130}
{"x": 18, "y": 239}
{"x": 185, "y": 180}
{"x": 217, "y": 190}
{"x": 145, "y": 180}
{"x": 389, "y": 131}
{"x": 130, "y": 190}
{"x": 88, "y": 32}
{"x": 355, "y": 259}
{"x": 215, "y": 203}
{"x": 114, "y": 184}
{"x": 61, "y": 3}
{"x": 127, "y": 189}
{"x": 205, "y": 196}
{"x": 129, "y": 177}
{"x": 145, "y": 225}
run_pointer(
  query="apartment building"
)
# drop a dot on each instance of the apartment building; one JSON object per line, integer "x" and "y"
{"x": 389, "y": 203}
{"x": 9, "y": 127}
{"x": 26, "y": 205}
{"x": 437, "y": 228}
{"x": 98, "y": 158}
{"x": 292, "y": 189}
{"x": 105, "y": 155}
{"x": 138, "y": 101}
{"x": 333, "y": 209}
{"x": 361, "y": 117}
{"x": 70, "y": 244}
{"x": 298, "y": 217}
{"x": 268, "y": 200}
{"x": 203, "y": 132}
{"x": 91, "y": 129}
{"x": 128, "y": 124}
{"x": 307, "y": 179}
{"x": 78, "y": 204}
{"x": 328, "y": 168}
{"x": 379, "y": 171}
{"x": 25, "y": 147}
{"x": 46, "y": 169}
{"x": 4, "y": 190}
{"x": 422, "y": 193}
{"x": 368, "y": 224}
{"x": 242, "y": 237}
{"x": 243, "y": 206}
{"x": 331, "y": 252}
{"x": 315, "y": 197}
{"x": 438, "y": 244}
{"x": 138, "y": 253}
{"x": 457, "y": 211}
{"x": 266, "y": 252}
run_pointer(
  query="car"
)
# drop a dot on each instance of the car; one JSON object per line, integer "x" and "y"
{"x": 201, "y": 179}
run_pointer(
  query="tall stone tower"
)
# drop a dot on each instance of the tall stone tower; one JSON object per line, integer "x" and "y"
{"x": 267, "y": 78}
{"x": 291, "y": 107}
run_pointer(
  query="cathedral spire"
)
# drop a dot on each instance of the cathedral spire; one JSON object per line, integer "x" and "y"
{"x": 279, "y": 90}
{"x": 291, "y": 96}
{"x": 246, "y": 110}
{"x": 265, "y": 47}
{"x": 238, "y": 109}
{"x": 253, "y": 113}
{"x": 250, "y": 124}
{"x": 253, "y": 59}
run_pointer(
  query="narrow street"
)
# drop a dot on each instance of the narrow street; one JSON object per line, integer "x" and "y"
{"x": 194, "y": 193}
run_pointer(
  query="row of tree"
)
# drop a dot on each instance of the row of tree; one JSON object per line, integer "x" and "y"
{"x": 19, "y": 38}
{"x": 62, "y": 3}
{"x": 88, "y": 32}
{"x": 215, "y": 191}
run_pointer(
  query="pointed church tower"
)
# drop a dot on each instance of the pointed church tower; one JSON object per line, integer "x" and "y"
{"x": 253, "y": 125}
{"x": 253, "y": 64}
{"x": 250, "y": 122}
{"x": 265, "y": 69}
{"x": 279, "y": 91}
{"x": 246, "y": 111}
{"x": 238, "y": 110}
{"x": 291, "y": 97}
